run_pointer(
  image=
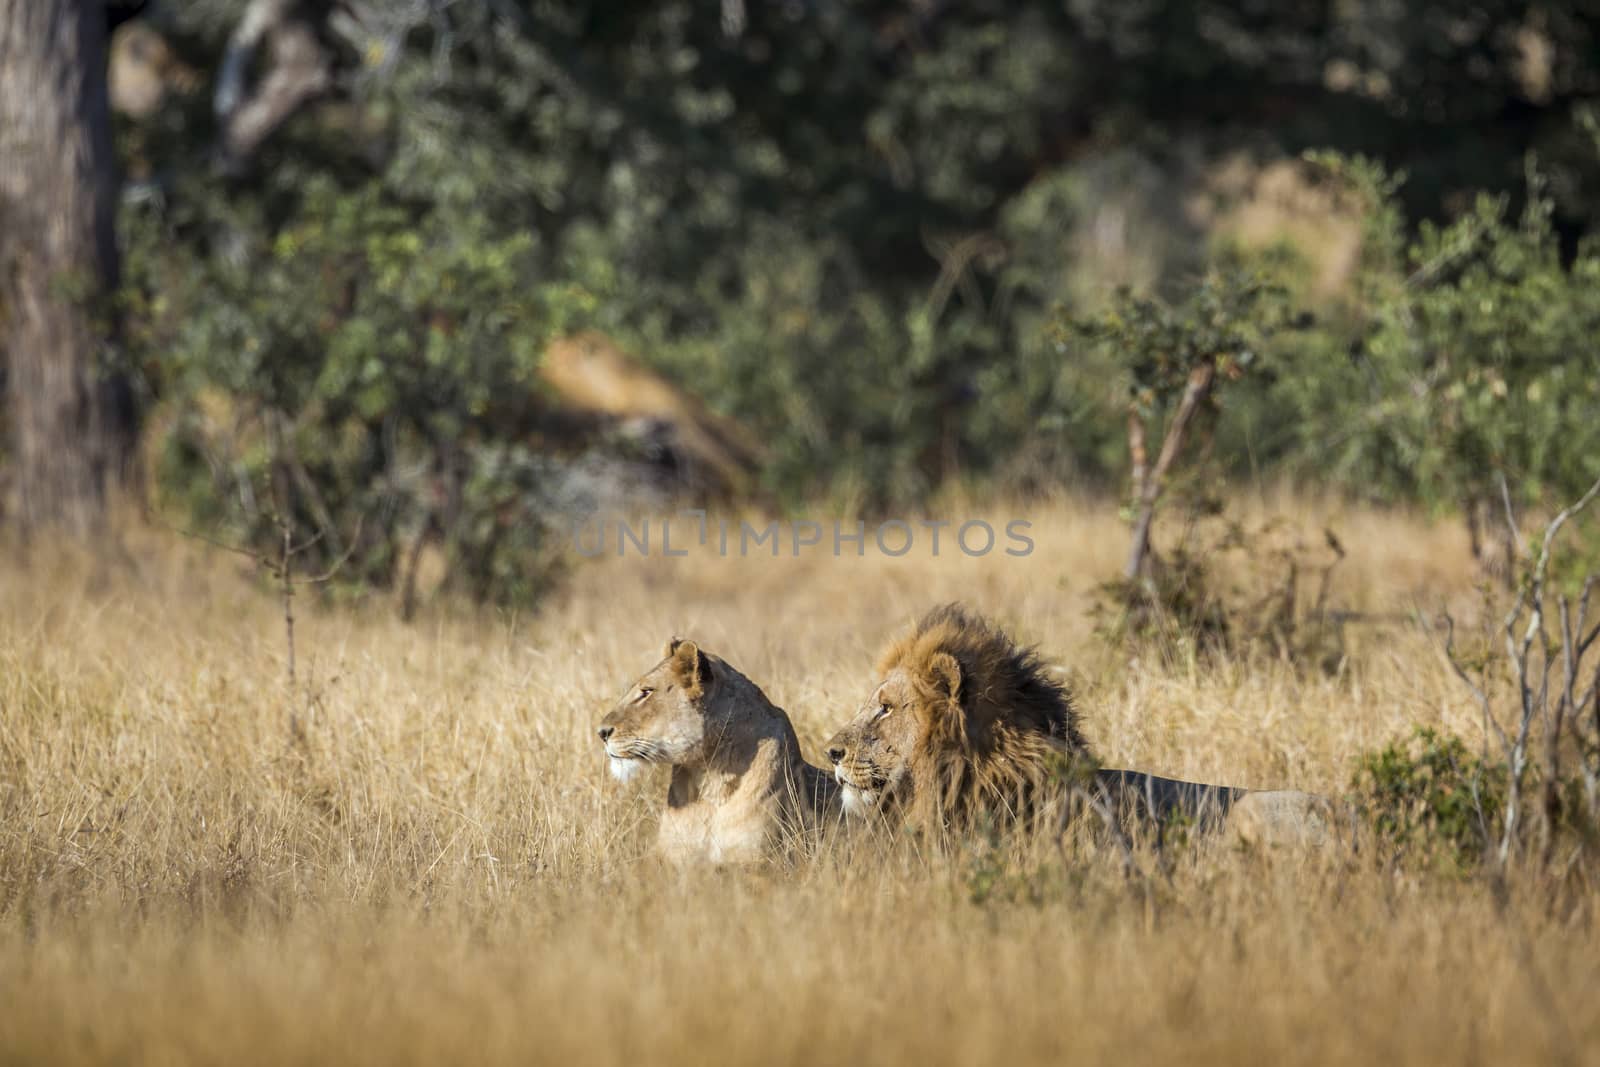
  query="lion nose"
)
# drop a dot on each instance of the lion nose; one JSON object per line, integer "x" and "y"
{"x": 606, "y": 732}
{"x": 836, "y": 754}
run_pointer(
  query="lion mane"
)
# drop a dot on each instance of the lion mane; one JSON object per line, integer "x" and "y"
{"x": 996, "y": 728}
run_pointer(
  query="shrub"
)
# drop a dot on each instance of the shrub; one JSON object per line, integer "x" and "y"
{"x": 1430, "y": 796}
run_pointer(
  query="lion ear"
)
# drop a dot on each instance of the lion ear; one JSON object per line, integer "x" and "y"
{"x": 691, "y": 665}
{"x": 944, "y": 674}
{"x": 671, "y": 647}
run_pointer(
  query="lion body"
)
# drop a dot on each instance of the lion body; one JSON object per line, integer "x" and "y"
{"x": 1252, "y": 817}
{"x": 965, "y": 721}
{"x": 741, "y": 789}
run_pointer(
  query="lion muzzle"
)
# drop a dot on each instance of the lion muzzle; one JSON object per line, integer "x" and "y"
{"x": 624, "y": 769}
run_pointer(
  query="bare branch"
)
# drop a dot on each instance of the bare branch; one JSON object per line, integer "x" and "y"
{"x": 1533, "y": 683}
{"x": 1583, "y": 616}
{"x": 1569, "y": 660}
{"x": 248, "y": 553}
{"x": 307, "y": 543}
{"x": 1566, "y": 514}
{"x": 1511, "y": 517}
{"x": 337, "y": 564}
{"x": 1473, "y": 687}
{"x": 1194, "y": 394}
{"x": 260, "y": 17}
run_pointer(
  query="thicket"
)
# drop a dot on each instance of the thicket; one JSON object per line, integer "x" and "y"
{"x": 1459, "y": 373}
{"x": 1529, "y": 792}
{"x": 860, "y": 229}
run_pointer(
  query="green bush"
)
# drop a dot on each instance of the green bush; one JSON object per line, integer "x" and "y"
{"x": 361, "y": 369}
{"x": 1471, "y": 360}
{"x": 1430, "y": 797}
{"x": 850, "y": 226}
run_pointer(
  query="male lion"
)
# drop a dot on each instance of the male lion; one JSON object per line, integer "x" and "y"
{"x": 964, "y": 721}
{"x": 740, "y": 787}
{"x": 961, "y": 720}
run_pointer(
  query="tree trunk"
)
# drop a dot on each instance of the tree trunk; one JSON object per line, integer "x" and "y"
{"x": 1493, "y": 539}
{"x": 69, "y": 408}
{"x": 1149, "y": 482}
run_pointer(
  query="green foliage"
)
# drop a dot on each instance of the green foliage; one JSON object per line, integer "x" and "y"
{"x": 1223, "y": 322}
{"x": 1152, "y": 349}
{"x": 858, "y": 228}
{"x": 360, "y": 366}
{"x": 653, "y": 167}
{"x": 1432, "y": 797}
{"x": 1473, "y": 360}
{"x": 1176, "y": 360}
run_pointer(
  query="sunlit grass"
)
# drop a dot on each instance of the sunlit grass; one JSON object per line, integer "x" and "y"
{"x": 417, "y": 856}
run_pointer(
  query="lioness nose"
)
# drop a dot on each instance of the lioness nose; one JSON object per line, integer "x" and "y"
{"x": 606, "y": 731}
{"x": 836, "y": 754}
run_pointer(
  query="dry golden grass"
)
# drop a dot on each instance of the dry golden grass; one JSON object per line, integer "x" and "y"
{"x": 436, "y": 868}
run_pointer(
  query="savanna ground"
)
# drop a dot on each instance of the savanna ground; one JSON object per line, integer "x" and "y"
{"x": 418, "y": 856}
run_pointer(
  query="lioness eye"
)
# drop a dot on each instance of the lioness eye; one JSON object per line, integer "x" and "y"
{"x": 883, "y": 709}
{"x": 644, "y": 692}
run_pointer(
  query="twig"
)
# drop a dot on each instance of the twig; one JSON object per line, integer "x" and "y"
{"x": 248, "y": 553}
{"x": 281, "y": 567}
{"x": 344, "y": 557}
{"x": 1525, "y": 633}
{"x": 1460, "y": 672}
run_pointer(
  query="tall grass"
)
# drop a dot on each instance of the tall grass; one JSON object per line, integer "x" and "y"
{"x": 417, "y": 856}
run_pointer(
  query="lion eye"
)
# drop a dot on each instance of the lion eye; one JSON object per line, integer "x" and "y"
{"x": 645, "y": 691}
{"x": 883, "y": 709}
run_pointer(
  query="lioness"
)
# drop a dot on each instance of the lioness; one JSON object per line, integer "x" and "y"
{"x": 962, "y": 720}
{"x": 740, "y": 787}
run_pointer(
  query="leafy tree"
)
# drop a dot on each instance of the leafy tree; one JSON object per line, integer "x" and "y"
{"x": 366, "y": 371}
{"x": 1472, "y": 379}
{"x": 847, "y": 225}
{"x": 1176, "y": 358}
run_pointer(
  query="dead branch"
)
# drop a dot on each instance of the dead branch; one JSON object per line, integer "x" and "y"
{"x": 1531, "y": 599}
{"x": 1477, "y": 691}
{"x": 1555, "y": 702}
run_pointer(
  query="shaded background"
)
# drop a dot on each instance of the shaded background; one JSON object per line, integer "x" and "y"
{"x": 416, "y": 274}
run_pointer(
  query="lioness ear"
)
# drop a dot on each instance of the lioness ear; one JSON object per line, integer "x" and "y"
{"x": 691, "y": 665}
{"x": 944, "y": 674}
{"x": 672, "y": 646}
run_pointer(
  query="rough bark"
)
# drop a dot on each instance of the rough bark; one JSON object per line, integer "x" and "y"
{"x": 70, "y": 417}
